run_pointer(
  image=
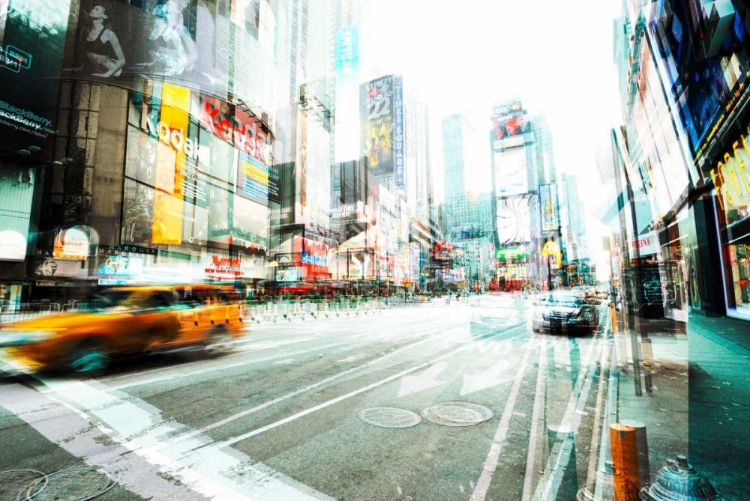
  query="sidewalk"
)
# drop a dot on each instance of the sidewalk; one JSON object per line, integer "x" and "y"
{"x": 694, "y": 382}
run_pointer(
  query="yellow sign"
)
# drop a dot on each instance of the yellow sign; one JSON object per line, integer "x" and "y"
{"x": 552, "y": 248}
{"x": 732, "y": 176}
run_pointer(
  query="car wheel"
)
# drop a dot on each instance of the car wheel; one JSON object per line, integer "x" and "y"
{"x": 536, "y": 330}
{"x": 87, "y": 359}
{"x": 217, "y": 340}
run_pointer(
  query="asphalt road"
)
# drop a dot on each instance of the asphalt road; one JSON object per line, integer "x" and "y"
{"x": 293, "y": 412}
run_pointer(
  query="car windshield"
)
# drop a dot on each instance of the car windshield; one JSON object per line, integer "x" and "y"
{"x": 113, "y": 299}
{"x": 375, "y": 250}
{"x": 566, "y": 300}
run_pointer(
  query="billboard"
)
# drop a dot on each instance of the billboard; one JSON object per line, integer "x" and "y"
{"x": 550, "y": 207}
{"x": 179, "y": 41}
{"x": 32, "y": 43}
{"x": 400, "y": 132}
{"x": 378, "y": 124}
{"x": 514, "y": 220}
{"x": 511, "y": 173}
{"x": 706, "y": 89}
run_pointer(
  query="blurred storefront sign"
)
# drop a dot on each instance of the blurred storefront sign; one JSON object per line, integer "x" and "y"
{"x": 645, "y": 245}
{"x": 12, "y": 246}
{"x": 72, "y": 243}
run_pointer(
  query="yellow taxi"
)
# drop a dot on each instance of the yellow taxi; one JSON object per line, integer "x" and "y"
{"x": 126, "y": 321}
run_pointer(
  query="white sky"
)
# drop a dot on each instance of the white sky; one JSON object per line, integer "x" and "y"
{"x": 464, "y": 55}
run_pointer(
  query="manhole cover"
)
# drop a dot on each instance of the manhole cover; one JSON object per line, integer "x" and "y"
{"x": 79, "y": 483}
{"x": 457, "y": 414}
{"x": 389, "y": 417}
{"x": 12, "y": 482}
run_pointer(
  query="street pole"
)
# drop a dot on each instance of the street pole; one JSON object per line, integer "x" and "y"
{"x": 549, "y": 271}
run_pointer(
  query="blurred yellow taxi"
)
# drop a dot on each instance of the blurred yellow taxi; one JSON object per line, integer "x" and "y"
{"x": 126, "y": 321}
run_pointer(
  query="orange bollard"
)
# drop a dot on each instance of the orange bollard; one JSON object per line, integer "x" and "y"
{"x": 629, "y": 459}
{"x": 613, "y": 311}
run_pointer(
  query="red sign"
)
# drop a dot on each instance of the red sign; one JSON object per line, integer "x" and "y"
{"x": 246, "y": 132}
{"x": 312, "y": 256}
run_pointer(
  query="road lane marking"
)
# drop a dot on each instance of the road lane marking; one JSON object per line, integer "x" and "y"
{"x": 490, "y": 465}
{"x": 137, "y": 426}
{"x": 295, "y": 393}
{"x": 221, "y": 367}
{"x": 557, "y": 463}
{"x": 311, "y": 410}
{"x": 537, "y": 420}
{"x": 70, "y": 429}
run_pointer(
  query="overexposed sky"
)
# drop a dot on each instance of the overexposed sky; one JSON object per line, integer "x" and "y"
{"x": 463, "y": 56}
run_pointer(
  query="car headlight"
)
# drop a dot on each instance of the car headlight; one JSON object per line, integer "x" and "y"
{"x": 20, "y": 338}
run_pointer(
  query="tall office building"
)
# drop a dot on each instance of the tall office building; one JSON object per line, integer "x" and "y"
{"x": 466, "y": 214}
{"x": 456, "y": 133}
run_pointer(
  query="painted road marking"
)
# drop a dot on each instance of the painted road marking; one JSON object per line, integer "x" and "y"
{"x": 215, "y": 474}
{"x": 490, "y": 465}
{"x": 496, "y": 375}
{"x": 537, "y": 420}
{"x": 557, "y": 463}
{"x": 422, "y": 382}
{"x": 329, "y": 403}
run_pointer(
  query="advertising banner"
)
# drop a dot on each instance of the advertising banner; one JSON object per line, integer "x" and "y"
{"x": 514, "y": 220}
{"x": 50, "y": 267}
{"x": 400, "y": 132}
{"x": 121, "y": 264}
{"x": 287, "y": 275}
{"x": 32, "y": 43}
{"x": 508, "y": 120}
{"x": 550, "y": 215}
{"x": 238, "y": 127}
{"x": 646, "y": 245}
{"x": 511, "y": 173}
{"x": 506, "y": 253}
{"x": 707, "y": 89}
{"x": 312, "y": 255}
{"x": 377, "y": 114}
{"x": 252, "y": 179}
{"x": 179, "y": 41}
{"x": 72, "y": 243}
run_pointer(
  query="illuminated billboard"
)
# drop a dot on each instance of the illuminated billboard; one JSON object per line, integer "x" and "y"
{"x": 379, "y": 120}
{"x": 32, "y": 43}
{"x": 511, "y": 173}
{"x": 706, "y": 89}
{"x": 550, "y": 208}
{"x": 514, "y": 220}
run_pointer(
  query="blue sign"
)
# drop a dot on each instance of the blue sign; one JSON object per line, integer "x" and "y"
{"x": 398, "y": 122}
{"x": 253, "y": 179}
{"x": 347, "y": 52}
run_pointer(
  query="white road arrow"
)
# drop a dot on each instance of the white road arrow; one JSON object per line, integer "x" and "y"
{"x": 494, "y": 376}
{"x": 423, "y": 381}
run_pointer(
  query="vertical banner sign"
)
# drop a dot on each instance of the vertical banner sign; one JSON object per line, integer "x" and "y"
{"x": 550, "y": 218}
{"x": 168, "y": 202}
{"x": 347, "y": 82}
{"x": 398, "y": 98}
{"x": 32, "y": 40}
{"x": 376, "y": 123}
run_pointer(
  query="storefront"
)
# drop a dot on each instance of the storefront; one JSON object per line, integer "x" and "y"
{"x": 731, "y": 177}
